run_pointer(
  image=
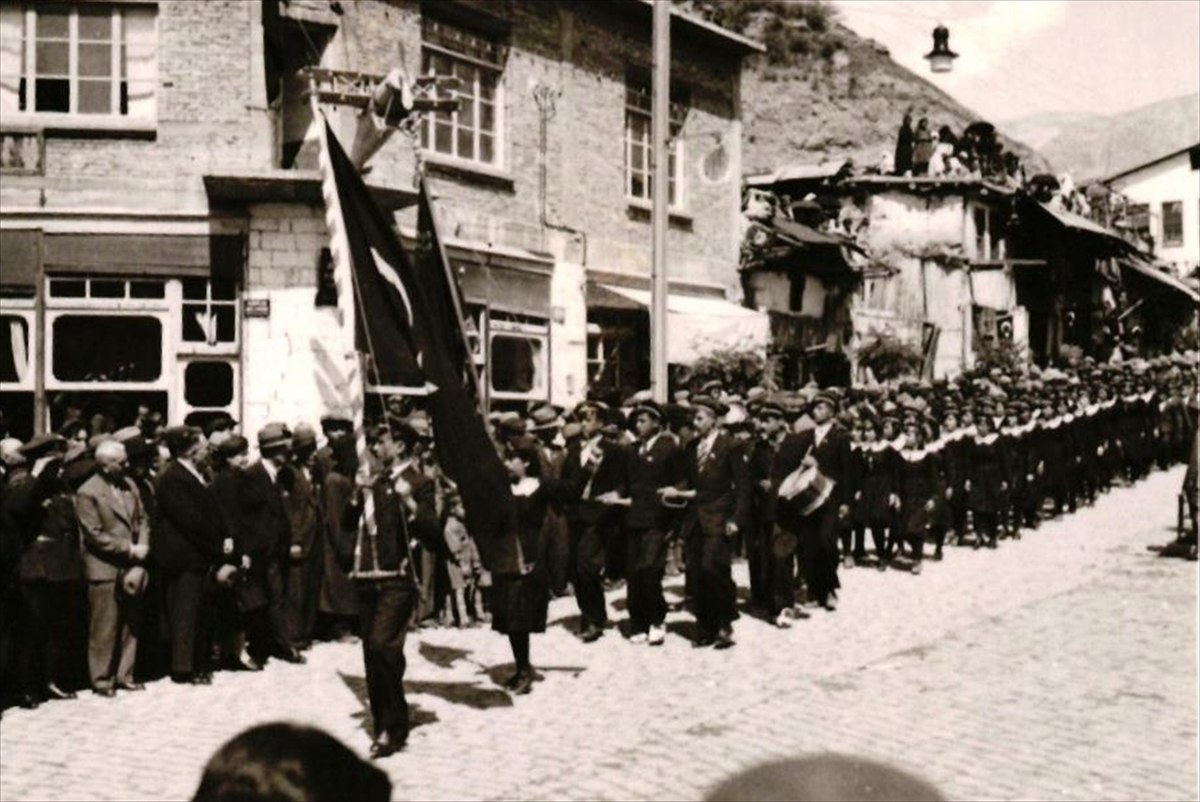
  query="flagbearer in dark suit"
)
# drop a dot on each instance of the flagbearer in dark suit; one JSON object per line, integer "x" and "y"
{"x": 657, "y": 463}
{"x": 384, "y": 581}
{"x": 116, "y": 543}
{"x": 189, "y": 544}
{"x": 719, "y": 496}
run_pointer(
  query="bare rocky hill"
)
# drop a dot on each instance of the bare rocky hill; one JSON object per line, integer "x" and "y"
{"x": 1096, "y": 146}
{"x": 823, "y": 92}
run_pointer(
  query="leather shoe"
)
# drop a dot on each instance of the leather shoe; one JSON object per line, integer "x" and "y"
{"x": 703, "y": 640}
{"x": 55, "y": 692}
{"x": 383, "y": 746}
{"x": 28, "y": 701}
{"x": 292, "y": 656}
{"x": 106, "y": 692}
{"x": 591, "y": 633}
{"x": 523, "y": 684}
{"x": 248, "y": 663}
{"x": 184, "y": 679}
{"x": 131, "y": 686}
{"x": 203, "y": 678}
{"x": 724, "y": 638}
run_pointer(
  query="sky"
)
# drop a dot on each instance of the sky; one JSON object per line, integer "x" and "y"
{"x": 1024, "y": 57}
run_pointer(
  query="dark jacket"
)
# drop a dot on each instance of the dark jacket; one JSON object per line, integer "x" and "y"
{"x": 833, "y": 460}
{"x": 660, "y": 466}
{"x": 303, "y": 509}
{"x": 583, "y": 485}
{"x": 188, "y": 531}
{"x": 395, "y": 526}
{"x": 44, "y": 508}
{"x": 722, "y": 484}
{"x": 785, "y": 460}
{"x": 264, "y": 528}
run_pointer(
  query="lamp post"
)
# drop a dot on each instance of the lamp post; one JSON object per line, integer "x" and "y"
{"x": 660, "y": 101}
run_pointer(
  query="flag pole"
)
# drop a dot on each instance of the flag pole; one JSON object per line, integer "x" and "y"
{"x": 660, "y": 196}
{"x": 452, "y": 284}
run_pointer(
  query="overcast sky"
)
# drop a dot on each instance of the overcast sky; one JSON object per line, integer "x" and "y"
{"x": 1022, "y": 57}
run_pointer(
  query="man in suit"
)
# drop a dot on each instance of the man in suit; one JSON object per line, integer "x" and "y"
{"x": 780, "y": 518}
{"x": 188, "y": 546}
{"x": 656, "y": 463}
{"x": 305, "y": 558}
{"x": 404, "y": 507}
{"x": 50, "y": 567}
{"x": 595, "y": 474}
{"x": 545, "y": 424}
{"x": 719, "y": 496}
{"x": 827, "y": 446}
{"x": 267, "y": 540}
{"x": 116, "y": 543}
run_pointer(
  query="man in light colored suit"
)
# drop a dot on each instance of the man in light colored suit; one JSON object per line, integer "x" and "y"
{"x": 116, "y": 541}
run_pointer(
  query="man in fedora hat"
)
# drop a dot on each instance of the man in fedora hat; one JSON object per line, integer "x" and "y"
{"x": 546, "y": 424}
{"x": 657, "y": 462}
{"x": 718, "y": 493}
{"x": 267, "y": 540}
{"x": 188, "y": 544}
{"x": 305, "y": 558}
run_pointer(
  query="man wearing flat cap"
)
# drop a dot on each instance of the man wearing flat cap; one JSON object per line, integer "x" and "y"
{"x": 50, "y": 567}
{"x": 595, "y": 473}
{"x": 719, "y": 497}
{"x": 188, "y": 538}
{"x": 267, "y": 539}
{"x": 305, "y": 558}
{"x": 656, "y": 463}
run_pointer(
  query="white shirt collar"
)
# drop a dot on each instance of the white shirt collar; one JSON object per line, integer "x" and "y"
{"x": 271, "y": 469}
{"x": 820, "y": 430}
{"x": 187, "y": 463}
{"x": 649, "y": 444}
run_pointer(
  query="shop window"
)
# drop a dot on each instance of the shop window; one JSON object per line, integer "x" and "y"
{"x": 517, "y": 364}
{"x": 208, "y": 384}
{"x": 14, "y": 349}
{"x": 1172, "y": 223}
{"x": 107, "y": 348}
{"x": 209, "y": 311}
{"x": 107, "y": 288}
{"x": 146, "y": 289}
{"x": 85, "y": 60}
{"x": 474, "y": 132}
{"x": 68, "y": 288}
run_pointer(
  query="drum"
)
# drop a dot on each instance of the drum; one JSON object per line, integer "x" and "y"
{"x": 808, "y": 488}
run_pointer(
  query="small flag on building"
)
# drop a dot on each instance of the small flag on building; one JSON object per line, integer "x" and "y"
{"x": 408, "y": 314}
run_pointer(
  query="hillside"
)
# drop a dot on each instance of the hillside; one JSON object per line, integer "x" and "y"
{"x": 823, "y": 92}
{"x": 1094, "y": 146}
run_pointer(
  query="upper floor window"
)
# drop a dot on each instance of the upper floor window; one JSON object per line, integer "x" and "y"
{"x": 639, "y": 143}
{"x": 1172, "y": 223}
{"x": 474, "y": 132}
{"x": 86, "y": 60}
{"x": 989, "y": 234}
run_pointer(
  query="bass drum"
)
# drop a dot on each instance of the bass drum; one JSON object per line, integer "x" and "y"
{"x": 808, "y": 489}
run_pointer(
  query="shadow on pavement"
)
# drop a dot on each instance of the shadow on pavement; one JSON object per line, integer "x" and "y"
{"x": 469, "y": 694}
{"x": 684, "y": 629}
{"x": 417, "y": 716}
{"x": 571, "y": 623}
{"x": 442, "y": 656}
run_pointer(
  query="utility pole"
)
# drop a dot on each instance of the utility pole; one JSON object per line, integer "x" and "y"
{"x": 660, "y": 103}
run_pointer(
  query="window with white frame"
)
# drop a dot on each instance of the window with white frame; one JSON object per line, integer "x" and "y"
{"x": 639, "y": 142}
{"x": 1172, "y": 223}
{"x": 83, "y": 60}
{"x": 519, "y": 354}
{"x": 988, "y": 230}
{"x": 474, "y": 132}
{"x": 210, "y": 309}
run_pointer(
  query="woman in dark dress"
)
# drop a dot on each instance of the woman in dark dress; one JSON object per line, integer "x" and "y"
{"x": 520, "y": 601}
{"x": 920, "y": 487}
{"x": 875, "y": 498}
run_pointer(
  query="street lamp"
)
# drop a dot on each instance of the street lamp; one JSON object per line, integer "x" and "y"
{"x": 941, "y": 58}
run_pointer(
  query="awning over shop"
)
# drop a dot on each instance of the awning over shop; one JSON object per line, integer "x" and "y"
{"x": 698, "y": 326}
{"x": 520, "y": 291}
{"x": 1150, "y": 271}
{"x": 18, "y": 260}
{"x": 1079, "y": 223}
{"x": 144, "y": 254}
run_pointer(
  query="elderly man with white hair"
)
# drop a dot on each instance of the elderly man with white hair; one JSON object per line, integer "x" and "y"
{"x": 116, "y": 542}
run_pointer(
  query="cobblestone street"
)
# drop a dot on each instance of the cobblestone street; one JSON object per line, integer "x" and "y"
{"x": 1062, "y": 666}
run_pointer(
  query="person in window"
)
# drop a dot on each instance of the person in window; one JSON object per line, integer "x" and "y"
{"x": 116, "y": 544}
{"x": 719, "y": 497}
{"x": 50, "y": 569}
{"x": 189, "y": 535}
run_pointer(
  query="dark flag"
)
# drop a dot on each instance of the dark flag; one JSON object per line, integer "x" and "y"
{"x": 408, "y": 314}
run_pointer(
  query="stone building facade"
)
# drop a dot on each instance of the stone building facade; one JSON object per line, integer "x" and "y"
{"x": 160, "y": 188}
